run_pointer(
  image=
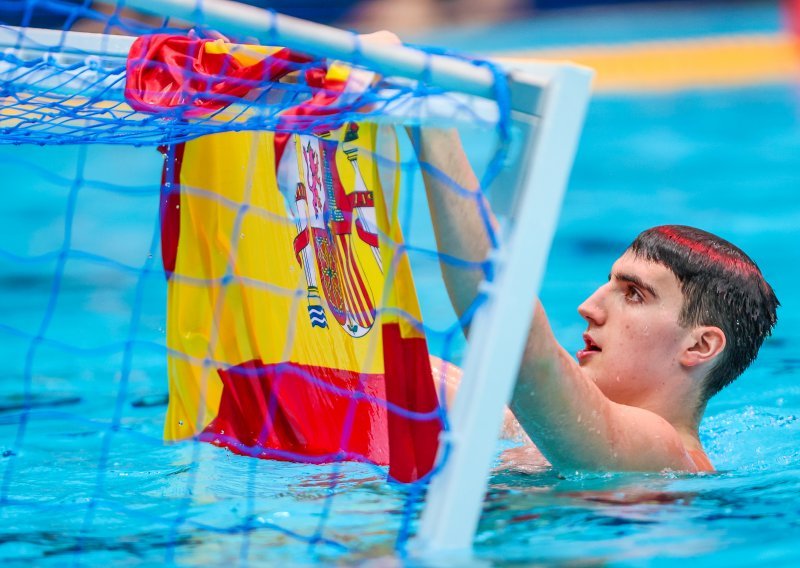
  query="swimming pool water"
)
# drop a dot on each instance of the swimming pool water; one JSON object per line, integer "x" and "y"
{"x": 78, "y": 491}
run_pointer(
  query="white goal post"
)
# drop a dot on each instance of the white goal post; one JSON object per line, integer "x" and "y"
{"x": 548, "y": 99}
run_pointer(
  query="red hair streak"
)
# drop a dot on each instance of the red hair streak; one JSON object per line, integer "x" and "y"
{"x": 714, "y": 255}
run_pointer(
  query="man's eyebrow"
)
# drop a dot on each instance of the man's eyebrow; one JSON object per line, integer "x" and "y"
{"x": 633, "y": 279}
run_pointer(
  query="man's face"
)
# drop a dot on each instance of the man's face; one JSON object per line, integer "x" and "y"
{"x": 633, "y": 340}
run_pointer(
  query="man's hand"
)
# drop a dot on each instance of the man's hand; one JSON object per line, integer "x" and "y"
{"x": 381, "y": 37}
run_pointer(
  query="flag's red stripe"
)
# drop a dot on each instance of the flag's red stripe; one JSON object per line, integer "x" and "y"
{"x": 170, "y": 205}
{"x": 413, "y": 443}
{"x": 278, "y": 407}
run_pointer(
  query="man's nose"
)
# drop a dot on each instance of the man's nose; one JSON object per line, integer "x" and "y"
{"x": 592, "y": 309}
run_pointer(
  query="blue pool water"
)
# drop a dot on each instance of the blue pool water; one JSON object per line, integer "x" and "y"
{"x": 85, "y": 478}
{"x": 727, "y": 161}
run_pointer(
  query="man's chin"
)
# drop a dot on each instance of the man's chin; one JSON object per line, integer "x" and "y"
{"x": 588, "y": 372}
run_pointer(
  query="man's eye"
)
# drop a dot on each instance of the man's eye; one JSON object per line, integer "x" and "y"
{"x": 633, "y": 295}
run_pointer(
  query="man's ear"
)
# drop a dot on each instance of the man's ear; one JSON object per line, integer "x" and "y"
{"x": 705, "y": 343}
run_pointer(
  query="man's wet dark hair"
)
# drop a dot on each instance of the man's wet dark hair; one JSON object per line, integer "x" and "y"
{"x": 722, "y": 287}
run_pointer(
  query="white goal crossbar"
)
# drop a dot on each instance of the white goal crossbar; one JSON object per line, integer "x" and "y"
{"x": 549, "y": 100}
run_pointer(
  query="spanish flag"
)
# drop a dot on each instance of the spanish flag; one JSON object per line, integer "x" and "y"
{"x": 292, "y": 314}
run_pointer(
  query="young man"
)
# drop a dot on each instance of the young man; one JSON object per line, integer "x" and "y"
{"x": 682, "y": 315}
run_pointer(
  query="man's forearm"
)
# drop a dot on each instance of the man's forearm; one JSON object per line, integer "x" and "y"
{"x": 459, "y": 212}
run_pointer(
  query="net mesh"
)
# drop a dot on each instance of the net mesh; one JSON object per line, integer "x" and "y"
{"x": 91, "y": 224}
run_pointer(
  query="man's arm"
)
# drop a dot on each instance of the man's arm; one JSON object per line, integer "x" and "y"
{"x": 565, "y": 414}
{"x": 453, "y": 198}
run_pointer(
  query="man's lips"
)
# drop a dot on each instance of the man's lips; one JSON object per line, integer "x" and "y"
{"x": 590, "y": 349}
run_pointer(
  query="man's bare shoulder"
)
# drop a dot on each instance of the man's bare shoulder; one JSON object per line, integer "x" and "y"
{"x": 644, "y": 440}
{"x": 667, "y": 450}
